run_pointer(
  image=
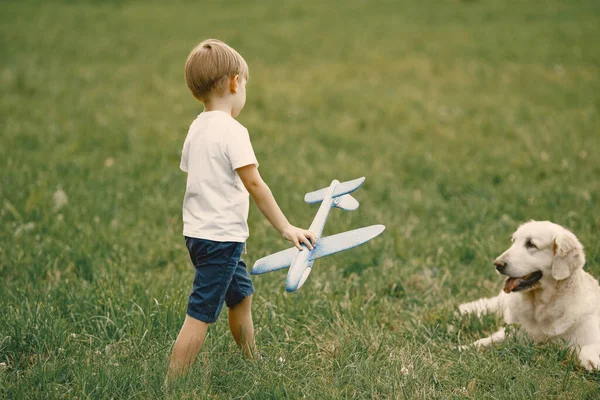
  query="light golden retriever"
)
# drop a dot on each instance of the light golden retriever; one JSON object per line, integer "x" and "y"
{"x": 547, "y": 292}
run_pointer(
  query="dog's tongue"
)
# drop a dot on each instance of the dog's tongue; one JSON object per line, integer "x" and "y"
{"x": 510, "y": 284}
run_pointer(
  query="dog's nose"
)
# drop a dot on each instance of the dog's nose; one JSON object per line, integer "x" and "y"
{"x": 500, "y": 265}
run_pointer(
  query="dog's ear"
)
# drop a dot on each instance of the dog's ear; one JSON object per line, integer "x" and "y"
{"x": 568, "y": 256}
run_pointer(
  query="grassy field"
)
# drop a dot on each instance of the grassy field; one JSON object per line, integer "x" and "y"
{"x": 467, "y": 118}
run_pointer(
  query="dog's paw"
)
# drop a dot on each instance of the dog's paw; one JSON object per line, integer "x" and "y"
{"x": 462, "y": 348}
{"x": 473, "y": 307}
{"x": 589, "y": 357}
{"x": 464, "y": 308}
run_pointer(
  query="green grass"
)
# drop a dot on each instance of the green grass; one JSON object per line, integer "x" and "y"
{"x": 466, "y": 117}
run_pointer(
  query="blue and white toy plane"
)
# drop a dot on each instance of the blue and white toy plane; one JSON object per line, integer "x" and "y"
{"x": 300, "y": 262}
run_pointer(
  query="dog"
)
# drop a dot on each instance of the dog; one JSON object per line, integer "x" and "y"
{"x": 547, "y": 292}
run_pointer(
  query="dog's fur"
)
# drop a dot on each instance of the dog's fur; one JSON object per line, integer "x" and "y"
{"x": 563, "y": 304}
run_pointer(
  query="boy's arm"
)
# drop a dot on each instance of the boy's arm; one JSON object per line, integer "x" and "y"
{"x": 262, "y": 196}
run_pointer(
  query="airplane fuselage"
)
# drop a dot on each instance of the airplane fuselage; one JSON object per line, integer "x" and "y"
{"x": 302, "y": 265}
{"x": 300, "y": 262}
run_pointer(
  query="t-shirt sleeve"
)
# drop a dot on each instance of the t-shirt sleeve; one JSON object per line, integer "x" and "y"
{"x": 184, "y": 157}
{"x": 239, "y": 149}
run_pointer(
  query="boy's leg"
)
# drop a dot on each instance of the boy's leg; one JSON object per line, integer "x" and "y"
{"x": 239, "y": 301}
{"x": 186, "y": 348}
{"x": 242, "y": 327}
{"x": 215, "y": 263}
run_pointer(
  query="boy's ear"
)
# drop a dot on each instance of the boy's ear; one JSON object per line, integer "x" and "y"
{"x": 233, "y": 84}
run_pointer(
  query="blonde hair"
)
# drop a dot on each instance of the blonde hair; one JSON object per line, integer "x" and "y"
{"x": 209, "y": 66}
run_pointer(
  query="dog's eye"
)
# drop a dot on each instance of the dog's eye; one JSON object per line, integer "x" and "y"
{"x": 529, "y": 244}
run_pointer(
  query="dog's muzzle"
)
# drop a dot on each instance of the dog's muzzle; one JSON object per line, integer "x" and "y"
{"x": 513, "y": 284}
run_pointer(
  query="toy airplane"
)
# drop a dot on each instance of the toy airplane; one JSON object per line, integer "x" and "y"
{"x": 300, "y": 262}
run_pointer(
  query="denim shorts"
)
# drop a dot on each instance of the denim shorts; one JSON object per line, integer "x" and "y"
{"x": 221, "y": 277}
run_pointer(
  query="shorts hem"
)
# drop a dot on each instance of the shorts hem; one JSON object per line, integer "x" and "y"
{"x": 202, "y": 317}
{"x": 242, "y": 296}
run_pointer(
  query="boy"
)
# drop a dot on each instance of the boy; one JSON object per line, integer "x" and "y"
{"x": 222, "y": 171}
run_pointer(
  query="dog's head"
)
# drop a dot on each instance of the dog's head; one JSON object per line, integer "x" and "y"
{"x": 540, "y": 249}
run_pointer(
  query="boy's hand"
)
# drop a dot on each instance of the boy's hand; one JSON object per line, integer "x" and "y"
{"x": 299, "y": 236}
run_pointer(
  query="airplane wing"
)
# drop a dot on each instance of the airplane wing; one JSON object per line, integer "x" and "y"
{"x": 273, "y": 262}
{"x": 326, "y": 246}
{"x": 344, "y": 241}
{"x": 340, "y": 189}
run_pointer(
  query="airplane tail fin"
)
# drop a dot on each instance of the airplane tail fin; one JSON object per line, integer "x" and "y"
{"x": 346, "y": 202}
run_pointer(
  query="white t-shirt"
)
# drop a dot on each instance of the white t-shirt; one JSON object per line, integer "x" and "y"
{"x": 216, "y": 203}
